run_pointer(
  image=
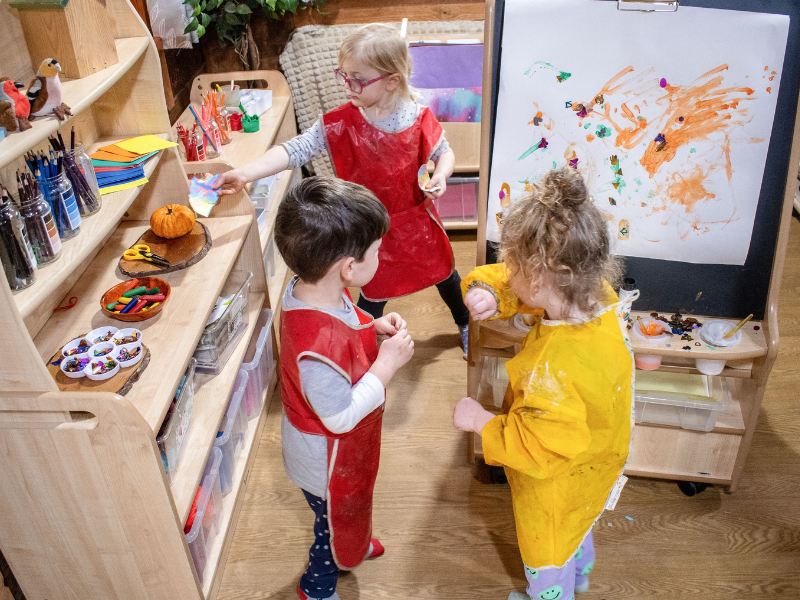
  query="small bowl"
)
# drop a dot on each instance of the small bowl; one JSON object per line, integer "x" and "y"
{"x": 101, "y": 349}
{"x": 75, "y": 359}
{"x": 647, "y": 362}
{"x": 101, "y": 334}
{"x": 114, "y": 294}
{"x": 101, "y": 376}
{"x": 651, "y": 339}
{"x": 127, "y": 333}
{"x": 69, "y": 346}
{"x": 130, "y": 348}
{"x": 709, "y": 367}
{"x": 713, "y": 331}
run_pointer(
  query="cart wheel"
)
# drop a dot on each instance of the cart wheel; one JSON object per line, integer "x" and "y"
{"x": 692, "y": 488}
{"x": 497, "y": 475}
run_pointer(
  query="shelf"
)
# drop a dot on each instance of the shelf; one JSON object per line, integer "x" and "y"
{"x": 171, "y": 334}
{"x": 94, "y": 230}
{"x": 210, "y": 399}
{"x": 78, "y": 94}
{"x": 289, "y": 179}
{"x": 232, "y": 503}
{"x": 455, "y": 225}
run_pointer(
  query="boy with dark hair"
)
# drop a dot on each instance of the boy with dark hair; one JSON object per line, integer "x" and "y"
{"x": 333, "y": 376}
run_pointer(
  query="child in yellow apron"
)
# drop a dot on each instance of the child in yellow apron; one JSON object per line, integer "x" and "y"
{"x": 564, "y": 430}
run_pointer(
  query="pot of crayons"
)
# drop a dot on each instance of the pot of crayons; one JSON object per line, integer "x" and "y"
{"x": 193, "y": 143}
{"x": 136, "y": 299}
{"x": 57, "y": 191}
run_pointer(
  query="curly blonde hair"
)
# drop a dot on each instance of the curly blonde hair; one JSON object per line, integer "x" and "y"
{"x": 557, "y": 230}
{"x": 382, "y": 48}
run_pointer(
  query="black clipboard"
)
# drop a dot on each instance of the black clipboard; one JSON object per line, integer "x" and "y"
{"x": 729, "y": 291}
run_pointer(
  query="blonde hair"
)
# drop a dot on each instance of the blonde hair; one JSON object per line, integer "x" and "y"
{"x": 558, "y": 231}
{"x": 382, "y": 48}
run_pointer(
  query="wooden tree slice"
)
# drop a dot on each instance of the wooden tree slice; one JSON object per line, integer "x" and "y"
{"x": 181, "y": 252}
{"x": 120, "y": 383}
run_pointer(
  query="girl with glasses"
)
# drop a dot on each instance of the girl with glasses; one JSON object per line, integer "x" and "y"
{"x": 379, "y": 139}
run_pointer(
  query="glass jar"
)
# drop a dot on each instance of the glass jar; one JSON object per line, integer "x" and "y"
{"x": 209, "y": 149}
{"x": 59, "y": 195}
{"x": 16, "y": 255}
{"x": 80, "y": 172}
{"x": 41, "y": 229}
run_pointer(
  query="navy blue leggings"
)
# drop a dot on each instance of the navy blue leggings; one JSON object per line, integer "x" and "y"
{"x": 319, "y": 580}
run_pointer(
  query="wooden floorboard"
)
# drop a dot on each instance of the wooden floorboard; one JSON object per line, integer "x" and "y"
{"x": 450, "y": 536}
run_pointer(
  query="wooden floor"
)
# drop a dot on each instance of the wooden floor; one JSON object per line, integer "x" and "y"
{"x": 450, "y": 536}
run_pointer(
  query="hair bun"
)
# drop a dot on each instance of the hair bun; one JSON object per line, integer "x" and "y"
{"x": 563, "y": 187}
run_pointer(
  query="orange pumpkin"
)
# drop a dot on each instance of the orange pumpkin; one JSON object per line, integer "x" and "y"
{"x": 172, "y": 221}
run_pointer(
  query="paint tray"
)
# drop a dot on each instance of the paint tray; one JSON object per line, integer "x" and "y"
{"x": 679, "y": 400}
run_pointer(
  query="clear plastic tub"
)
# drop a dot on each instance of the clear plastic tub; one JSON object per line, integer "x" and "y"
{"x": 687, "y": 401}
{"x": 217, "y": 341}
{"x": 259, "y": 364}
{"x": 460, "y": 200}
{"x": 202, "y": 528}
{"x": 175, "y": 427}
{"x": 230, "y": 438}
{"x": 495, "y": 378}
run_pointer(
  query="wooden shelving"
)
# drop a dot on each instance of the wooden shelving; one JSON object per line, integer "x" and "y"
{"x": 173, "y": 334}
{"x": 78, "y": 94}
{"x": 210, "y": 399}
{"x": 94, "y": 231}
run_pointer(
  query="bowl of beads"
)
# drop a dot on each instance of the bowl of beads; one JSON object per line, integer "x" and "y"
{"x": 73, "y": 367}
{"x": 101, "y": 368}
{"x": 101, "y": 349}
{"x": 136, "y": 299}
{"x": 127, "y": 336}
{"x": 77, "y": 347}
{"x": 101, "y": 334}
{"x": 128, "y": 355}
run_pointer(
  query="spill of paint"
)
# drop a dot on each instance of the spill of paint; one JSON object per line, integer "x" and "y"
{"x": 769, "y": 90}
{"x": 541, "y": 144}
{"x": 590, "y": 138}
{"x": 555, "y": 166}
{"x": 563, "y": 76}
{"x": 644, "y": 204}
{"x": 637, "y": 180}
{"x": 692, "y": 150}
{"x": 663, "y": 83}
{"x": 602, "y": 131}
{"x": 587, "y": 126}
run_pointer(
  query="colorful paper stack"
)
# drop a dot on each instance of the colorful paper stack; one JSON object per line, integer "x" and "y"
{"x": 120, "y": 166}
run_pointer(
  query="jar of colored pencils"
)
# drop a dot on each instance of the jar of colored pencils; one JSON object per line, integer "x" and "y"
{"x": 60, "y": 196}
{"x": 80, "y": 172}
{"x": 16, "y": 255}
{"x": 39, "y": 222}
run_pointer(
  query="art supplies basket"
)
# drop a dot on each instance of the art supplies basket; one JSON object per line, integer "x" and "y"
{"x": 113, "y": 295}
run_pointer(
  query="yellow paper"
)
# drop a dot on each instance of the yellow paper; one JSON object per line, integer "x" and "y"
{"x": 673, "y": 383}
{"x": 145, "y": 144}
{"x": 123, "y": 186}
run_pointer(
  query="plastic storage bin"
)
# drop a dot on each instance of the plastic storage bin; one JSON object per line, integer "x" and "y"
{"x": 495, "y": 378}
{"x": 203, "y": 526}
{"x": 687, "y": 401}
{"x": 259, "y": 364}
{"x": 230, "y": 438}
{"x": 219, "y": 338}
{"x": 460, "y": 200}
{"x": 176, "y": 424}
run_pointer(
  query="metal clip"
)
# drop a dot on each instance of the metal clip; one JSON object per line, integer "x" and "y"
{"x": 648, "y": 5}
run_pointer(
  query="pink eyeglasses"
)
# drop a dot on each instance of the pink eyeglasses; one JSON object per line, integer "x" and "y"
{"x": 356, "y": 85}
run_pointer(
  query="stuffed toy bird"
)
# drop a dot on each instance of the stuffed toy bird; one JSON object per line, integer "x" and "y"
{"x": 44, "y": 92}
{"x": 7, "y": 117}
{"x": 9, "y": 92}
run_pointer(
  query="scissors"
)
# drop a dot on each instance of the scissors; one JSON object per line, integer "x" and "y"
{"x": 142, "y": 252}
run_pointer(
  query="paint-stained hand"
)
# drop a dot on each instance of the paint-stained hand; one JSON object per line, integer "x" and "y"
{"x": 470, "y": 416}
{"x": 230, "y": 182}
{"x": 440, "y": 181}
{"x": 480, "y": 303}
{"x": 388, "y": 325}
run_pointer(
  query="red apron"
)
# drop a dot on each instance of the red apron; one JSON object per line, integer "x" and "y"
{"x": 416, "y": 253}
{"x": 353, "y": 457}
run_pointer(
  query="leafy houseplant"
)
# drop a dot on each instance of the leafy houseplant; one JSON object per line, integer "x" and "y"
{"x": 232, "y": 21}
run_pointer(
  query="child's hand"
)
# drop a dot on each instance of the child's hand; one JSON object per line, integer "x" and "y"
{"x": 480, "y": 303}
{"x": 230, "y": 182}
{"x": 470, "y": 416}
{"x": 389, "y": 324}
{"x": 393, "y": 354}
{"x": 439, "y": 180}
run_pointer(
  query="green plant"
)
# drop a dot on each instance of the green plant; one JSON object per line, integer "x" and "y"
{"x": 231, "y": 18}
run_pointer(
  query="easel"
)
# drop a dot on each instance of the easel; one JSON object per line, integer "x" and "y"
{"x": 694, "y": 458}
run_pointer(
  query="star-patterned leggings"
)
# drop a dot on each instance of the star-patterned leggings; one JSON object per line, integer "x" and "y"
{"x": 319, "y": 580}
{"x": 559, "y": 584}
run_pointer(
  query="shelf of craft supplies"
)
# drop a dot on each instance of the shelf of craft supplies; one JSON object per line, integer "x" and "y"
{"x": 232, "y": 503}
{"x": 210, "y": 399}
{"x": 78, "y": 94}
{"x": 94, "y": 230}
{"x": 171, "y": 335}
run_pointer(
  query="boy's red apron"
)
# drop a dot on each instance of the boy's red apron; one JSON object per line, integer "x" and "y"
{"x": 353, "y": 457}
{"x": 416, "y": 253}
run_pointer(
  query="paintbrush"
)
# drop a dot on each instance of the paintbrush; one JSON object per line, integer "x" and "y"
{"x": 739, "y": 325}
{"x": 641, "y": 325}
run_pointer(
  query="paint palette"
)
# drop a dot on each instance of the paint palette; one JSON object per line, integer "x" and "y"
{"x": 424, "y": 179}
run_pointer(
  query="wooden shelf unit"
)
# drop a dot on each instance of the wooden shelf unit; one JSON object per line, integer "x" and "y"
{"x": 86, "y": 510}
